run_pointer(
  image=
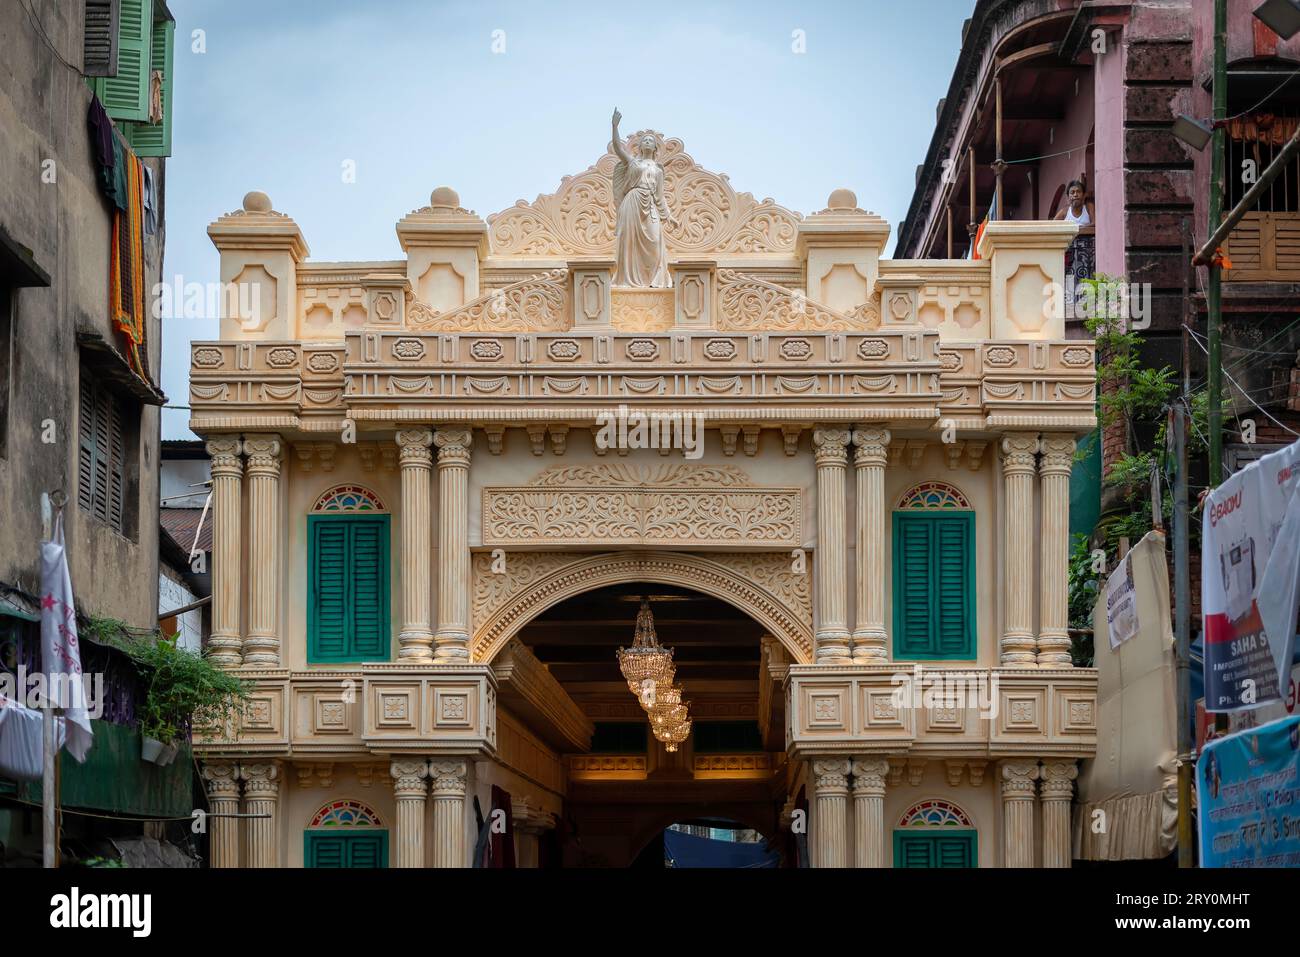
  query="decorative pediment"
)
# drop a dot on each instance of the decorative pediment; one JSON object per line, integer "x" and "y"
{"x": 748, "y": 304}
{"x": 578, "y": 218}
{"x": 536, "y": 304}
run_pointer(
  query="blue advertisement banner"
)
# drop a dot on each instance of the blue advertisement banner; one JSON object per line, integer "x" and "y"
{"x": 1248, "y": 797}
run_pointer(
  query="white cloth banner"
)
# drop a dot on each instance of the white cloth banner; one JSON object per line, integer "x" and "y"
{"x": 21, "y": 740}
{"x": 1250, "y": 582}
{"x": 1121, "y": 604}
{"x": 60, "y": 650}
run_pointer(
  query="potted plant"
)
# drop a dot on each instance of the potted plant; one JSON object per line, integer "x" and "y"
{"x": 182, "y": 689}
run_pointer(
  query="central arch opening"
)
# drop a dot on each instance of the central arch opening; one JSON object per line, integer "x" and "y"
{"x": 628, "y": 800}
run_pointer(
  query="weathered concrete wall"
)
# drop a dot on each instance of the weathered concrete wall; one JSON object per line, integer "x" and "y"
{"x": 66, "y": 226}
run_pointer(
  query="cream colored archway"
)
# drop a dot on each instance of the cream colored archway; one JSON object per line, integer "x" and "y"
{"x": 759, "y": 585}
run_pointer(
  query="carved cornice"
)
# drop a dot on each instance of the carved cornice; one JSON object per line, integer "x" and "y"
{"x": 528, "y": 688}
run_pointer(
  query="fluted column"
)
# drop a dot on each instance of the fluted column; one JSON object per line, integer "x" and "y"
{"x": 831, "y": 811}
{"x": 1053, "y": 602}
{"x": 869, "y": 776}
{"x": 1018, "y": 646}
{"x": 1057, "y": 790}
{"x": 411, "y": 789}
{"x": 416, "y": 638}
{"x": 262, "y": 803}
{"x": 833, "y": 645}
{"x": 1018, "y": 779}
{"x": 449, "y": 777}
{"x": 451, "y": 643}
{"x": 871, "y": 447}
{"x": 262, "y": 644}
{"x": 222, "y": 784}
{"x": 225, "y": 646}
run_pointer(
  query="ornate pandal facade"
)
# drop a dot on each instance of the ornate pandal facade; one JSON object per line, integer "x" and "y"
{"x": 407, "y": 469}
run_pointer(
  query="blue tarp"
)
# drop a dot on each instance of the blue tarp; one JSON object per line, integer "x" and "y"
{"x": 687, "y": 850}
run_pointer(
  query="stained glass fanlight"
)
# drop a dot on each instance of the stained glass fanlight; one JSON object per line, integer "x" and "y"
{"x": 646, "y": 660}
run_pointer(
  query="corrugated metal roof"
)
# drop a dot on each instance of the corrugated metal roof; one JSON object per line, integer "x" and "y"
{"x": 181, "y": 524}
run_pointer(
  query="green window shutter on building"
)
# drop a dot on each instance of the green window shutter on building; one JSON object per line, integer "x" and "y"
{"x": 347, "y": 613}
{"x": 126, "y": 95}
{"x": 931, "y": 849}
{"x": 155, "y": 139}
{"x": 934, "y": 594}
{"x": 364, "y": 849}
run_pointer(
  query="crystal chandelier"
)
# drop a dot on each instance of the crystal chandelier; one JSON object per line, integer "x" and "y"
{"x": 649, "y": 671}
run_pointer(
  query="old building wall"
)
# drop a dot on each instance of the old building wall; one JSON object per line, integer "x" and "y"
{"x": 65, "y": 225}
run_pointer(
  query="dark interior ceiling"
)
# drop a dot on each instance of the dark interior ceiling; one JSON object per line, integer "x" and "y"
{"x": 712, "y": 640}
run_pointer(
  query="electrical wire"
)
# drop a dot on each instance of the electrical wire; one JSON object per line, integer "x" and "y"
{"x": 31, "y": 15}
{"x": 1276, "y": 90}
{"x": 1267, "y": 414}
{"x": 1032, "y": 159}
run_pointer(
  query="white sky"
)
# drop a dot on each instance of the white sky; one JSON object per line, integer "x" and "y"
{"x": 411, "y": 90}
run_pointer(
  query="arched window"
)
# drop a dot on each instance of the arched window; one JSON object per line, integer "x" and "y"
{"x": 348, "y": 577}
{"x": 935, "y": 833}
{"x": 345, "y": 833}
{"x": 934, "y": 574}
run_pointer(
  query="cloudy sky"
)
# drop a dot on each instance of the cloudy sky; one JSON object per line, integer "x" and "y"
{"x": 500, "y": 100}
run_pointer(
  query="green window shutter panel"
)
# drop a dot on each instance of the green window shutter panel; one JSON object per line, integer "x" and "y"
{"x": 348, "y": 600}
{"x": 155, "y": 139}
{"x": 364, "y": 849}
{"x": 369, "y": 568}
{"x": 934, "y": 578}
{"x": 930, "y": 849}
{"x": 126, "y": 95}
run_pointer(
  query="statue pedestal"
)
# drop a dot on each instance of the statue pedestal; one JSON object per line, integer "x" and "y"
{"x": 636, "y": 309}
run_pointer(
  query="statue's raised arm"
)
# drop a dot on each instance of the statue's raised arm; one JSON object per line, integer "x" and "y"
{"x": 619, "y": 150}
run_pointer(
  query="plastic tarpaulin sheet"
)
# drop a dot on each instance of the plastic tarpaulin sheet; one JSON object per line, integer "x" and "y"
{"x": 21, "y": 742}
{"x": 1133, "y": 781}
{"x": 687, "y": 850}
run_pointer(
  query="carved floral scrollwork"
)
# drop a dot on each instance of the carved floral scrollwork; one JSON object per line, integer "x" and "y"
{"x": 747, "y": 304}
{"x": 579, "y": 217}
{"x": 535, "y": 304}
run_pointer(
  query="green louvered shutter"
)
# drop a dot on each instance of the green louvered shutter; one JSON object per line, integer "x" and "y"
{"x": 929, "y": 849}
{"x": 913, "y": 544}
{"x": 953, "y": 605}
{"x": 155, "y": 139}
{"x": 368, "y": 564}
{"x": 367, "y": 850}
{"x": 955, "y": 851}
{"x": 347, "y": 613}
{"x": 126, "y": 95}
{"x": 327, "y": 612}
{"x": 326, "y": 850}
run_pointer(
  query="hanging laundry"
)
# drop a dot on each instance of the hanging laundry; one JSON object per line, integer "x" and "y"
{"x": 22, "y": 740}
{"x": 126, "y": 276}
{"x": 102, "y": 141}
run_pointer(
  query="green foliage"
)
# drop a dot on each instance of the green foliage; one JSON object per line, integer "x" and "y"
{"x": 1084, "y": 585}
{"x": 109, "y": 862}
{"x": 183, "y": 690}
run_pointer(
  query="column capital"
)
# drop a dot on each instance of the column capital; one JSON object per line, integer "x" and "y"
{"x": 1018, "y": 451}
{"x": 453, "y": 446}
{"x": 221, "y": 780}
{"x": 1058, "y": 779}
{"x": 871, "y": 444}
{"x": 410, "y": 778}
{"x": 224, "y": 451}
{"x": 414, "y": 447}
{"x": 870, "y": 775}
{"x": 265, "y": 451}
{"x": 831, "y": 775}
{"x": 1057, "y": 454}
{"x": 449, "y": 777}
{"x": 1018, "y": 779}
{"x": 261, "y": 780}
{"x": 831, "y": 446}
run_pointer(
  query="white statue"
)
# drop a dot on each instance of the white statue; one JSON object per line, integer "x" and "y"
{"x": 639, "y": 247}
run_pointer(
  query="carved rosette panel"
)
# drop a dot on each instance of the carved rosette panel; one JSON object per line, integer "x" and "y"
{"x": 747, "y": 304}
{"x": 762, "y": 584}
{"x": 624, "y": 505}
{"x": 579, "y": 218}
{"x": 536, "y": 304}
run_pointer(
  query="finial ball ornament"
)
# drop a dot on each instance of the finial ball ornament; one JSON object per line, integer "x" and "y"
{"x": 257, "y": 202}
{"x": 842, "y": 199}
{"x": 444, "y": 196}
